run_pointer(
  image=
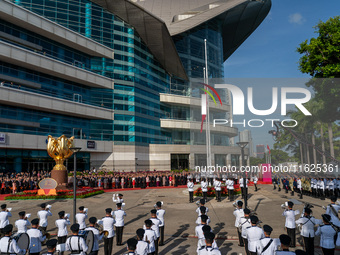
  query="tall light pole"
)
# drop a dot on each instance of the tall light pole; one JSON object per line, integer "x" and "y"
{"x": 243, "y": 145}
{"x": 75, "y": 150}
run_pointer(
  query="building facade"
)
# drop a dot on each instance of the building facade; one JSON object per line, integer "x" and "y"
{"x": 117, "y": 75}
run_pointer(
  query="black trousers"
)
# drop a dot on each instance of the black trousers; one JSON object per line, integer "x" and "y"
{"x": 119, "y": 235}
{"x": 308, "y": 243}
{"x": 291, "y": 234}
{"x": 240, "y": 239}
{"x": 156, "y": 246}
{"x": 35, "y": 253}
{"x": 218, "y": 195}
{"x": 43, "y": 230}
{"x": 231, "y": 194}
{"x": 255, "y": 187}
{"x": 161, "y": 240}
{"x": 191, "y": 196}
{"x": 327, "y": 251}
{"x": 93, "y": 253}
{"x": 205, "y": 195}
{"x": 245, "y": 240}
{"x": 242, "y": 192}
{"x": 108, "y": 243}
{"x": 62, "y": 239}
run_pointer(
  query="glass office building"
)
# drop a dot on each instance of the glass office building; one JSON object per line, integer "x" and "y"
{"x": 113, "y": 79}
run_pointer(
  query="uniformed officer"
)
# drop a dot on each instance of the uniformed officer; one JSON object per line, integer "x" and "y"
{"x": 81, "y": 216}
{"x": 238, "y": 213}
{"x": 160, "y": 215}
{"x": 43, "y": 214}
{"x": 217, "y": 186}
{"x": 155, "y": 226}
{"x": 206, "y": 228}
{"x": 51, "y": 246}
{"x": 307, "y": 223}
{"x": 299, "y": 187}
{"x": 201, "y": 203}
{"x": 190, "y": 186}
{"x": 119, "y": 215}
{"x": 142, "y": 246}
{"x": 150, "y": 236}
{"x": 332, "y": 210}
{"x": 97, "y": 236}
{"x": 7, "y": 245}
{"x": 243, "y": 224}
{"x": 203, "y": 212}
{"x": 204, "y": 187}
{"x": 267, "y": 245}
{"x": 290, "y": 221}
{"x": 22, "y": 222}
{"x": 253, "y": 235}
{"x": 108, "y": 225}
{"x": 326, "y": 233}
{"x": 62, "y": 224}
{"x": 230, "y": 187}
{"x": 255, "y": 180}
{"x": 118, "y": 199}
{"x": 199, "y": 231}
{"x": 285, "y": 241}
{"x": 4, "y": 214}
{"x": 76, "y": 244}
{"x": 36, "y": 237}
{"x": 131, "y": 246}
{"x": 208, "y": 249}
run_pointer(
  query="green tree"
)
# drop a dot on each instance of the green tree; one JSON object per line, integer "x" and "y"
{"x": 256, "y": 161}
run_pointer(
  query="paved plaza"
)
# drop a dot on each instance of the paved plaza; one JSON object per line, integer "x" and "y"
{"x": 180, "y": 215}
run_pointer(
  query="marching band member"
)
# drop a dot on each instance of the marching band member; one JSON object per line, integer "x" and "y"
{"x": 243, "y": 224}
{"x": 160, "y": 215}
{"x": 267, "y": 245}
{"x": 238, "y": 213}
{"x": 230, "y": 187}
{"x": 7, "y": 245}
{"x": 150, "y": 236}
{"x": 190, "y": 186}
{"x": 199, "y": 231}
{"x": 4, "y": 214}
{"x": 202, "y": 203}
{"x": 299, "y": 187}
{"x": 131, "y": 246}
{"x": 217, "y": 186}
{"x": 81, "y": 216}
{"x": 253, "y": 235}
{"x": 332, "y": 210}
{"x": 76, "y": 244}
{"x": 142, "y": 246}
{"x": 203, "y": 212}
{"x": 208, "y": 249}
{"x": 255, "y": 180}
{"x": 22, "y": 223}
{"x": 118, "y": 199}
{"x": 43, "y": 214}
{"x": 206, "y": 228}
{"x": 119, "y": 215}
{"x": 36, "y": 237}
{"x": 326, "y": 233}
{"x": 290, "y": 222}
{"x": 155, "y": 226}
{"x": 108, "y": 223}
{"x": 285, "y": 241}
{"x": 96, "y": 234}
{"x": 204, "y": 187}
{"x": 51, "y": 246}
{"x": 62, "y": 224}
{"x": 307, "y": 231}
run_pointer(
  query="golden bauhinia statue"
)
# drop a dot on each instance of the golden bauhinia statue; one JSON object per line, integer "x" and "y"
{"x": 59, "y": 150}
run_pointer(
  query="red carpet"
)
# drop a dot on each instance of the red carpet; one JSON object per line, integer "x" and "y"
{"x": 165, "y": 187}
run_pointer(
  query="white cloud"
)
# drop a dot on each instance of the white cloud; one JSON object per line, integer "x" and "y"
{"x": 296, "y": 18}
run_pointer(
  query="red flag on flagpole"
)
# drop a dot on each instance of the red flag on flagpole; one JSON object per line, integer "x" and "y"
{"x": 268, "y": 148}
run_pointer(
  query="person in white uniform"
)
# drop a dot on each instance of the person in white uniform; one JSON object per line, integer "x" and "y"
{"x": 7, "y": 245}
{"x": 243, "y": 224}
{"x": 142, "y": 246}
{"x": 285, "y": 241}
{"x": 204, "y": 187}
{"x": 190, "y": 186}
{"x": 238, "y": 213}
{"x": 96, "y": 234}
{"x": 150, "y": 236}
{"x": 155, "y": 226}
{"x": 253, "y": 235}
{"x": 43, "y": 214}
{"x": 81, "y": 216}
{"x": 4, "y": 214}
{"x": 267, "y": 245}
{"x": 203, "y": 212}
{"x": 217, "y": 186}
{"x": 62, "y": 224}
{"x": 119, "y": 215}
{"x": 108, "y": 225}
{"x": 160, "y": 215}
{"x": 290, "y": 221}
{"x": 131, "y": 246}
{"x": 230, "y": 187}
{"x": 75, "y": 243}
{"x": 332, "y": 209}
{"x": 326, "y": 233}
{"x": 36, "y": 237}
{"x": 208, "y": 249}
{"x": 199, "y": 231}
{"x": 118, "y": 199}
{"x": 51, "y": 246}
{"x": 22, "y": 223}
{"x": 255, "y": 180}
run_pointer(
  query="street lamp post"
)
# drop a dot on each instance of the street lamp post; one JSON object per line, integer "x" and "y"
{"x": 243, "y": 145}
{"x": 75, "y": 150}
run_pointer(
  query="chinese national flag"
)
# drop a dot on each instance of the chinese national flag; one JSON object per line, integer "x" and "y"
{"x": 268, "y": 148}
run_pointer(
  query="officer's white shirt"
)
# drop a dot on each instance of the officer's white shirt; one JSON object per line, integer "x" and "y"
{"x": 61, "y": 224}
{"x": 326, "y": 233}
{"x": 119, "y": 217}
{"x": 190, "y": 186}
{"x": 299, "y": 184}
{"x": 217, "y": 185}
{"x": 155, "y": 227}
{"x": 160, "y": 215}
{"x": 200, "y": 236}
{"x": 198, "y": 211}
{"x": 76, "y": 243}
{"x": 290, "y": 217}
{"x": 142, "y": 248}
{"x": 198, "y": 221}
{"x": 36, "y": 238}
{"x": 43, "y": 214}
{"x": 80, "y": 218}
{"x": 208, "y": 250}
{"x": 150, "y": 236}
{"x": 241, "y": 183}
{"x": 330, "y": 211}
{"x": 238, "y": 213}
{"x": 244, "y": 223}
{"x": 322, "y": 185}
{"x": 230, "y": 184}
{"x": 108, "y": 223}
{"x": 204, "y": 186}
{"x": 307, "y": 226}
{"x": 271, "y": 248}
{"x": 97, "y": 238}
{"x": 4, "y": 218}
{"x": 118, "y": 200}
{"x": 21, "y": 225}
{"x": 255, "y": 180}
{"x": 13, "y": 247}
{"x": 331, "y": 185}
{"x": 254, "y": 234}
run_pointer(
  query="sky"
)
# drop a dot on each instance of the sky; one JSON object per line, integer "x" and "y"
{"x": 270, "y": 52}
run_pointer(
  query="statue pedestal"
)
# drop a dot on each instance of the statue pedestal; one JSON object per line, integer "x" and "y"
{"x": 61, "y": 178}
